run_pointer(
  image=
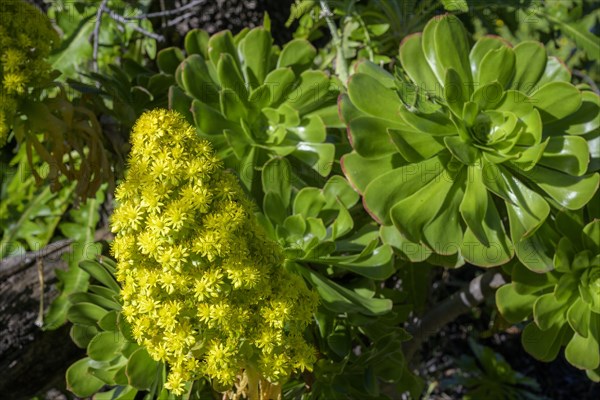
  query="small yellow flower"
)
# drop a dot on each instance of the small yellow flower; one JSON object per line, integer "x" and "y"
{"x": 14, "y": 82}
{"x": 148, "y": 243}
{"x": 175, "y": 384}
{"x": 13, "y": 60}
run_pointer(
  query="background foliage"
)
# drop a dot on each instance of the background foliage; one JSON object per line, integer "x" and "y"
{"x": 362, "y": 141}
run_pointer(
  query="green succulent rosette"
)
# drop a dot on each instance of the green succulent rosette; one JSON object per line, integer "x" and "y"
{"x": 565, "y": 302}
{"x": 462, "y": 154}
{"x": 255, "y": 101}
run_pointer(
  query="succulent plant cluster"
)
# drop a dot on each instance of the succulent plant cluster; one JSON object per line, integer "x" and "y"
{"x": 239, "y": 220}
{"x": 253, "y": 100}
{"x": 203, "y": 288}
{"x": 463, "y": 136}
{"x": 26, "y": 39}
{"x": 565, "y": 302}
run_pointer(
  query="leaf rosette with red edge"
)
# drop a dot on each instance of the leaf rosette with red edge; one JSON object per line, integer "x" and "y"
{"x": 465, "y": 151}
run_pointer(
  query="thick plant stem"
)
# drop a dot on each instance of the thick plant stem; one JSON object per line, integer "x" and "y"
{"x": 253, "y": 384}
{"x": 269, "y": 391}
{"x": 451, "y": 308}
{"x": 341, "y": 66}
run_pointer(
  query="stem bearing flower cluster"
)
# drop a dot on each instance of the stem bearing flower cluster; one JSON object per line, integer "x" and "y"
{"x": 202, "y": 286}
{"x": 26, "y": 39}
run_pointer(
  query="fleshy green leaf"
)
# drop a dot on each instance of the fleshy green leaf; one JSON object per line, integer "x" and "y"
{"x": 297, "y": 54}
{"x": 82, "y": 297}
{"x": 256, "y": 51}
{"x": 311, "y": 129}
{"x": 567, "y": 154}
{"x": 277, "y": 178}
{"x": 374, "y": 70}
{"x": 530, "y": 64}
{"x": 549, "y": 312}
{"x": 82, "y": 334}
{"x": 342, "y": 224}
{"x": 497, "y": 65}
{"x": 274, "y": 208}
{"x": 85, "y": 313}
{"x": 474, "y": 204}
{"x": 180, "y": 102}
{"x": 480, "y": 49}
{"x": 196, "y": 42}
{"x": 591, "y": 236}
{"x": 279, "y": 82}
{"x": 578, "y": 316}
{"x": 310, "y": 92}
{"x": 378, "y": 265}
{"x": 318, "y": 156}
{"x": 543, "y": 345}
{"x": 528, "y": 208}
{"x": 105, "y": 346}
{"x": 465, "y": 152}
{"x": 80, "y": 381}
{"x": 219, "y": 43}
{"x": 169, "y": 59}
{"x": 451, "y": 43}
{"x": 386, "y": 190}
{"x": 583, "y": 352}
{"x": 370, "y": 96}
{"x": 585, "y": 120}
{"x": 411, "y": 214}
{"x": 369, "y": 137}
{"x": 338, "y": 189}
{"x": 513, "y": 306}
{"x": 456, "y": 92}
{"x": 415, "y": 64}
{"x": 197, "y": 80}
{"x": 556, "y": 100}
{"x": 572, "y": 192}
{"x": 443, "y": 232}
{"x": 118, "y": 393}
{"x": 498, "y": 250}
{"x": 414, "y": 145}
{"x": 535, "y": 251}
{"x": 100, "y": 273}
{"x": 412, "y": 251}
{"x": 309, "y": 202}
{"x": 488, "y": 96}
{"x": 109, "y": 321}
{"x": 141, "y": 369}
{"x": 555, "y": 70}
{"x": 340, "y": 299}
{"x": 361, "y": 171}
{"x": 210, "y": 121}
{"x": 230, "y": 77}
{"x": 456, "y": 5}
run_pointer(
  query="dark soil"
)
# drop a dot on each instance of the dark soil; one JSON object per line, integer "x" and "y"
{"x": 217, "y": 15}
{"x": 558, "y": 380}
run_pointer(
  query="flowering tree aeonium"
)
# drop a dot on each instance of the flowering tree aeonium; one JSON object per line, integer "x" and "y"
{"x": 202, "y": 287}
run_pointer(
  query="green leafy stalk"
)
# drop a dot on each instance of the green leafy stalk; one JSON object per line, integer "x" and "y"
{"x": 73, "y": 280}
{"x": 582, "y": 38}
{"x": 341, "y": 67}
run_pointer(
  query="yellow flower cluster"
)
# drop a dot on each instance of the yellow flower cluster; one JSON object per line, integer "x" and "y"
{"x": 202, "y": 286}
{"x": 26, "y": 39}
